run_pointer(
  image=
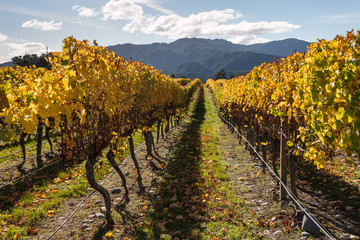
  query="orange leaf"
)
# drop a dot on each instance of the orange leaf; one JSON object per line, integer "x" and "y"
{"x": 33, "y": 231}
{"x": 56, "y": 180}
{"x": 50, "y": 213}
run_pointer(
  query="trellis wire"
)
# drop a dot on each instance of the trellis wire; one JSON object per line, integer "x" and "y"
{"x": 290, "y": 194}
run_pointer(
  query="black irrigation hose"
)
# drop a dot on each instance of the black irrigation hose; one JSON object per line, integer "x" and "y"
{"x": 305, "y": 210}
{"x": 29, "y": 174}
{"x": 44, "y": 140}
{"x": 17, "y": 151}
{"x": 27, "y": 159}
{"x": 92, "y": 193}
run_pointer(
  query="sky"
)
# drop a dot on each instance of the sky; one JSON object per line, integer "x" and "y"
{"x": 32, "y": 26}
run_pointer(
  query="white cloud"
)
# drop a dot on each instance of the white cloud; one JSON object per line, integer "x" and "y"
{"x": 3, "y": 37}
{"x": 42, "y": 25}
{"x": 256, "y": 28}
{"x": 208, "y": 24}
{"x": 85, "y": 12}
{"x": 130, "y": 9}
{"x": 248, "y": 39}
{"x": 153, "y": 5}
{"x": 341, "y": 18}
{"x": 121, "y": 10}
{"x": 217, "y": 23}
{"x": 12, "y": 47}
{"x": 17, "y": 49}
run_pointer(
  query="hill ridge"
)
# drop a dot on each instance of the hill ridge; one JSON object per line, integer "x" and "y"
{"x": 177, "y": 57}
{"x": 203, "y": 58}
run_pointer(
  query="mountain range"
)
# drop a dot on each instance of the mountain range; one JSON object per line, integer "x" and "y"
{"x": 203, "y": 58}
{"x": 7, "y": 64}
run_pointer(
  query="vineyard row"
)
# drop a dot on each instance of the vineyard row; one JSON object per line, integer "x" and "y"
{"x": 96, "y": 99}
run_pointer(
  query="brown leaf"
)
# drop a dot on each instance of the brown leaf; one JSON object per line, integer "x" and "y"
{"x": 349, "y": 208}
{"x": 33, "y": 231}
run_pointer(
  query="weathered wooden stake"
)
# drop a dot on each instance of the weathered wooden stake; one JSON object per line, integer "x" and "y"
{"x": 39, "y": 143}
{"x": 283, "y": 166}
{"x": 292, "y": 168}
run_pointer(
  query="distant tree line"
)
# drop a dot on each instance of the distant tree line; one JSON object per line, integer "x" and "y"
{"x": 222, "y": 75}
{"x": 30, "y": 60}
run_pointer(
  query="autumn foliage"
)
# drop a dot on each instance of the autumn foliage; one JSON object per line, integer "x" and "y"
{"x": 316, "y": 94}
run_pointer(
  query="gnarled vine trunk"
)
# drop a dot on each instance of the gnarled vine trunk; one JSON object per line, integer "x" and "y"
{"x": 47, "y": 136}
{"x": 158, "y": 131}
{"x": 90, "y": 163}
{"x": 149, "y": 141}
{"x": 23, "y": 150}
{"x": 133, "y": 157}
{"x": 110, "y": 156}
{"x": 167, "y": 127}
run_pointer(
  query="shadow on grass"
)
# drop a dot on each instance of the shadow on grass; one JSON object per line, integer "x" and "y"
{"x": 102, "y": 230}
{"x": 344, "y": 197}
{"x": 17, "y": 143}
{"x": 9, "y": 195}
{"x": 179, "y": 204}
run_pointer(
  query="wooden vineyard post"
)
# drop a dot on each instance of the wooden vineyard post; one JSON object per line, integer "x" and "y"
{"x": 39, "y": 143}
{"x": 292, "y": 169}
{"x": 283, "y": 166}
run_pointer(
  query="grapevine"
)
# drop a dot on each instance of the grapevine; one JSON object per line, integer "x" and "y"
{"x": 96, "y": 99}
{"x": 316, "y": 95}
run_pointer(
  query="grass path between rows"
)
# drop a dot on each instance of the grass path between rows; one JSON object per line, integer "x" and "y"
{"x": 195, "y": 198}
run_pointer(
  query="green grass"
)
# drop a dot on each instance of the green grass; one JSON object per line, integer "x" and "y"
{"x": 31, "y": 204}
{"x": 227, "y": 211}
{"x": 12, "y": 148}
{"x": 195, "y": 198}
